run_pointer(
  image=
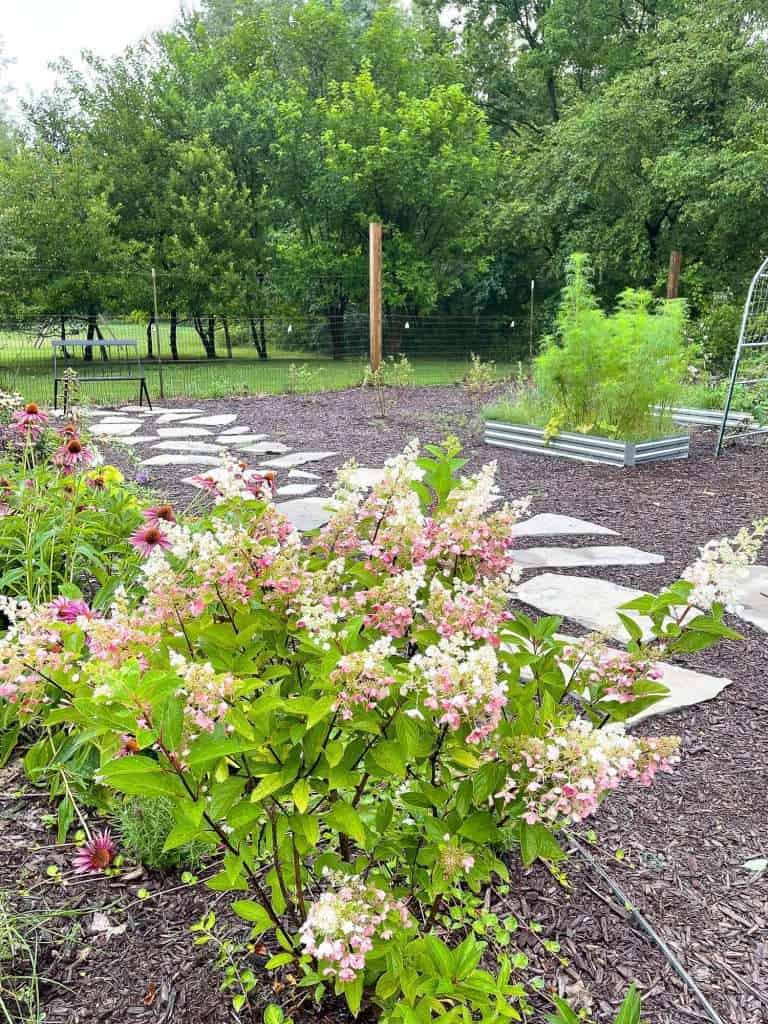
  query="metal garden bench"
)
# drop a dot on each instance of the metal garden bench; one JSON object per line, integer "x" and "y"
{"x": 121, "y": 361}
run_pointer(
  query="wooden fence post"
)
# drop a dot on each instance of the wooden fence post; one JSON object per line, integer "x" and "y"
{"x": 374, "y": 285}
{"x": 673, "y": 277}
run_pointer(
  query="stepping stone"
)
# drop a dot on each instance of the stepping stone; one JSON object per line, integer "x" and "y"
{"x": 591, "y": 602}
{"x": 752, "y": 597}
{"x": 215, "y": 421}
{"x": 166, "y": 411}
{"x": 547, "y": 524}
{"x": 306, "y": 513}
{"x": 298, "y": 459}
{"x": 264, "y": 448}
{"x": 295, "y": 489}
{"x": 181, "y": 460}
{"x": 686, "y": 687}
{"x": 173, "y": 417}
{"x": 189, "y": 446}
{"x": 568, "y": 558}
{"x": 240, "y": 430}
{"x": 239, "y": 439}
{"x": 300, "y": 474}
{"x": 114, "y": 429}
{"x": 137, "y": 439}
{"x": 183, "y": 432}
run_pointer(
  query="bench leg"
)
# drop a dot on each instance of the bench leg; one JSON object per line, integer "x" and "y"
{"x": 143, "y": 390}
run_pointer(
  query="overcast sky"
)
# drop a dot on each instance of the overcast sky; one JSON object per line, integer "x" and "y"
{"x": 35, "y": 32}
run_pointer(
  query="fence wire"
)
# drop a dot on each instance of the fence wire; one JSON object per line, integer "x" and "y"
{"x": 213, "y": 355}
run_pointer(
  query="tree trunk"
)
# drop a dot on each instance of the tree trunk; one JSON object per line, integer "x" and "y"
{"x": 173, "y": 341}
{"x": 207, "y": 339}
{"x": 227, "y": 338}
{"x": 394, "y": 324}
{"x": 212, "y": 334}
{"x": 94, "y": 331}
{"x": 335, "y": 314}
{"x": 150, "y": 325}
{"x": 259, "y": 339}
{"x": 63, "y": 336}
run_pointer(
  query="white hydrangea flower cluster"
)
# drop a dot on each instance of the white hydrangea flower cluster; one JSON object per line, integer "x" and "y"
{"x": 723, "y": 564}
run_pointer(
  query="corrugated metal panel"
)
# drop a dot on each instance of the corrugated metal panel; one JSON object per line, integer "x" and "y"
{"x": 583, "y": 448}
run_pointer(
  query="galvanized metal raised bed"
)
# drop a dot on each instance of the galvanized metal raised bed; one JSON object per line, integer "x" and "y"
{"x": 583, "y": 447}
{"x": 708, "y": 417}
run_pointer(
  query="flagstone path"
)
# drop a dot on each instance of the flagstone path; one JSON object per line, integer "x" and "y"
{"x": 188, "y": 437}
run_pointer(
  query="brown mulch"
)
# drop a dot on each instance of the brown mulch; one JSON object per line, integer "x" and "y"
{"x": 677, "y": 849}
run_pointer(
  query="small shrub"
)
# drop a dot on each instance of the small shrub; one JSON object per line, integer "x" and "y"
{"x": 716, "y": 333}
{"x": 603, "y": 373}
{"x": 144, "y": 824}
{"x": 481, "y": 376}
{"x": 394, "y": 372}
{"x": 304, "y": 378}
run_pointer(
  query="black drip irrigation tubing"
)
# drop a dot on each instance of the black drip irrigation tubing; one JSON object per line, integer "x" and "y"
{"x": 649, "y": 930}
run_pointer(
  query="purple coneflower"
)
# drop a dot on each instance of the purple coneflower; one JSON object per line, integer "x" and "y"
{"x": 149, "y": 537}
{"x": 159, "y": 513}
{"x": 206, "y": 483}
{"x": 30, "y": 421}
{"x": 70, "y": 609}
{"x": 72, "y": 455}
{"x": 97, "y": 854}
{"x": 257, "y": 483}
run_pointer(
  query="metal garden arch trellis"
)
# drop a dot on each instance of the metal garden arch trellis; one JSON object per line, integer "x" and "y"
{"x": 753, "y": 335}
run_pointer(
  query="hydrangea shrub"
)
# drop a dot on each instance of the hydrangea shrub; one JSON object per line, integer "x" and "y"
{"x": 356, "y": 720}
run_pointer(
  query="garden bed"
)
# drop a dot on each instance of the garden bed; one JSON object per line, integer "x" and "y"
{"x": 678, "y": 851}
{"x": 585, "y": 447}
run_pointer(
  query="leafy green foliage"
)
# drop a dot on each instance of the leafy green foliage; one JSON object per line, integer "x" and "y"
{"x": 359, "y": 768}
{"x": 144, "y": 825}
{"x": 604, "y": 374}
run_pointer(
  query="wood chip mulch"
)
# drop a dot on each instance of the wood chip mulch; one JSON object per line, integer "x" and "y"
{"x": 678, "y": 850}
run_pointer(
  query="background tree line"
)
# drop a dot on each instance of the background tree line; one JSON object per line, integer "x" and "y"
{"x": 243, "y": 152}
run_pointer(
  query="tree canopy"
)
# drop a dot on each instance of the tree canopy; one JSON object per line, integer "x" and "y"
{"x": 244, "y": 151}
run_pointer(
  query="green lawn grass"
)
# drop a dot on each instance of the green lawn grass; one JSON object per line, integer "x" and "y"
{"x": 28, "y": 368}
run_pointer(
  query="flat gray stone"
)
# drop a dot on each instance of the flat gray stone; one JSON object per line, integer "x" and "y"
{"x": 239, "y": 430}
{"x": 568, "y": 558}
{"x": 183, "y": 432}
{"x": 181, "y": 460}
{"x": 189, "y": 446}
{"x": 298, "y": 459}
{"x": 264, "y": 448}
{"x": 548, "y": 524}
{"x": 115, "y": 429}
{"x": 239, "y": 438}
{"x": 306, "y": 513}
{"x": 215, "y": 421}
{"x": 591, "y": 602}
{"x": 686, "y": 688}
{"x": 752, "y": 597}
{"x": 300, "y": 474}
{"x": 137, "y": 439}
{"x": 167, "y": 411}
{"x": 173, "y": 417}
{"x": 288, "y": 490}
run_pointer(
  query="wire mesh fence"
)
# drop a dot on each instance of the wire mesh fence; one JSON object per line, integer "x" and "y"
{"x": 214, "y": 355}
